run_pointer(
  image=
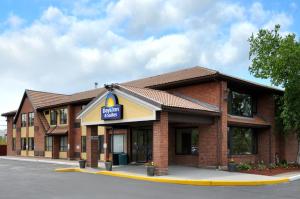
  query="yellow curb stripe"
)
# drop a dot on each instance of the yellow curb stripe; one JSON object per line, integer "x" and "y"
{"x": 180, "y": 181}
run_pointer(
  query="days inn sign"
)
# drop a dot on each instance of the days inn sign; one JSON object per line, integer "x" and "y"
{"x": 112, "y": 109}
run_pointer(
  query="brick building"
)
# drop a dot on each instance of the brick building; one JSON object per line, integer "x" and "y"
{"x": 196, "y": 117}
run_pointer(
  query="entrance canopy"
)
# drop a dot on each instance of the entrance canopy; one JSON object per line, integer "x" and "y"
{"x": 125, "y": 104}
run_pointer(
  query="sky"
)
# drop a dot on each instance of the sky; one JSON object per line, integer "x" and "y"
{"x": 65, "y": 46}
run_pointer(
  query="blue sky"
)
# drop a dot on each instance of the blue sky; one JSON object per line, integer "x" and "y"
{"x": 65, "y": 45}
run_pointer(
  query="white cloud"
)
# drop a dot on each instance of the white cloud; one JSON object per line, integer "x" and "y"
{"x": 63, "y": 51}
{"x": 14, "y": 21}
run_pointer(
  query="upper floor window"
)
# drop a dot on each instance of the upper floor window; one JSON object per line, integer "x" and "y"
{"x": 23, "y": 120}
{"x": 240, "y": 104}
{"x": 31, "y": 119}
{"x": 14, "y": 126}
{"x": 63, "y": 116}
{"x": 53, "y": 117}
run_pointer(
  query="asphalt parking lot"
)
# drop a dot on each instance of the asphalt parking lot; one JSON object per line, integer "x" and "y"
{"x": 32, "y": 180}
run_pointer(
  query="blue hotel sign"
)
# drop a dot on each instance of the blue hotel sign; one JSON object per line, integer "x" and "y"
{"x": 112, "y": 110}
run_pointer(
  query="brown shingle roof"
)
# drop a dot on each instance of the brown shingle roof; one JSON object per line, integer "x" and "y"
{"x": 171, "y": 77}
{"x": 10, "y": 113}
{"x": 43, "y": 99}
{"x": 165, "y": 99}
{"x": 90, "y": 94}
{"x": 58, "y": 130}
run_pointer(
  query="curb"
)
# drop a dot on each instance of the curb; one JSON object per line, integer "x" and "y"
{"x": 203, "y": 182}
{"x": 40, "y": 160}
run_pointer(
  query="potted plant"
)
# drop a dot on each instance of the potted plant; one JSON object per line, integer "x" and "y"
{"x": 232, "y": 167}
{"x": 82, "y": 163}
{"x": 108, "y": 165}
{"x": 150, "y": 168}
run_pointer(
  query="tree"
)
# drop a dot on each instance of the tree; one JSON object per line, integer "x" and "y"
{"x": 277, "y": 58}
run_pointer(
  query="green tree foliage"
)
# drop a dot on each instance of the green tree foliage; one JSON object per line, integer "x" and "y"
{"x": 2, "y": 140}
{"x": 277, "y": 58}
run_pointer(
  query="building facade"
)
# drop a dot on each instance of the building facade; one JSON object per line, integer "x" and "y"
{"x": 195, "y": 117}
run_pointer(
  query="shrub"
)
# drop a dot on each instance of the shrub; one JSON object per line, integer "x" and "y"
{"x": 244, "y": 167}
{"x": 261, "y": 165}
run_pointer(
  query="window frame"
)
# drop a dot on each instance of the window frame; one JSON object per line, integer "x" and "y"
{"x": 53, "y": 120}
{"x": 13, "y": 147}
{"x": 23, "y": 144}
{"x": 63, "y": 112}
{"x": 63, "y": 145}
{"x": 252, "y": 104}
{"x": 254, "y": 141}
{"x": 23, "y": 120}
{"x": 30, "y": 144}
{"x": 113, "y": 143}
{"x": 47, "y": 146}
{"x": 100, "y": 143}
{"x": 83, "y": 144}
{"x": 186, "y": 128}
{"x": 31, "y": 119}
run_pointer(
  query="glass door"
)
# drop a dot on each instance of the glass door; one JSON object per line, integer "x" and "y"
{"x": 141, "y": 145}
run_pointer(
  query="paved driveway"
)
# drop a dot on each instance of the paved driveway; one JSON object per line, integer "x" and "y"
{"x": 38, "y": 180}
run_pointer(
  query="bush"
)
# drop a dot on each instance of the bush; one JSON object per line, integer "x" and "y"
{"x": 272, "y": 166}
{"x": 261, "y": 165}
{"x": 244, "y": 167}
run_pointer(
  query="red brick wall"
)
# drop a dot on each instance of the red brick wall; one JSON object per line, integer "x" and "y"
{"x": 266, "y": 110}
{"x": 10, "y": 136}
{"x": 289, "y": 148}
{"x": 208, "y": 92}
{"x": 161, "y": 144}
{"x": 39, "y": 137}
{"x": 208, "y": 145}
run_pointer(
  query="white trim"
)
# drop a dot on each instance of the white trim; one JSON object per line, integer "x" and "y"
{"x": 151, "y": 118}
{"x": 139, "y": 101}
{"x": 92, "y": 105}
{"x": 123, "y": 94}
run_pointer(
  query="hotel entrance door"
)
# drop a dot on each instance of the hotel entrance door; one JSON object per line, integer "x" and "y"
{"x": 141, "y": 145}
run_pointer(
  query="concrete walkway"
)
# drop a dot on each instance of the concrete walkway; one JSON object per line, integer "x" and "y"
{"x": 177, "y": 174}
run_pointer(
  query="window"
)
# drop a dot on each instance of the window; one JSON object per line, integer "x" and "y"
{"x": 117, "y": 143}
{"x": 48, "y": 144}
{"x": 101, "y": 142}
{"x": 14, "y": 126}
{"x": 30, "y": 144}
{"x": 242, "y": 141}
{"x": 53, "y": 117}
{"x": 23, "y": 120}
{"x": 63, "y": 116}
{"x": 31, "y": 119}
{"x": 23, "y": 144}
{"x": 83, "y": 144}
{"x": 63, "y": 143}
{"x": 187, "y": 140}
{"x": 14, "y": 144}
{"x": 240, "y": 104}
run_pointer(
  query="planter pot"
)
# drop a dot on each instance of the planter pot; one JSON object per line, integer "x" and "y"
{"x": 150, "y": 170}
{"x": 232, "y": 167}
{"x": 108, "y": 166}
{"x": 82, "y": 164}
